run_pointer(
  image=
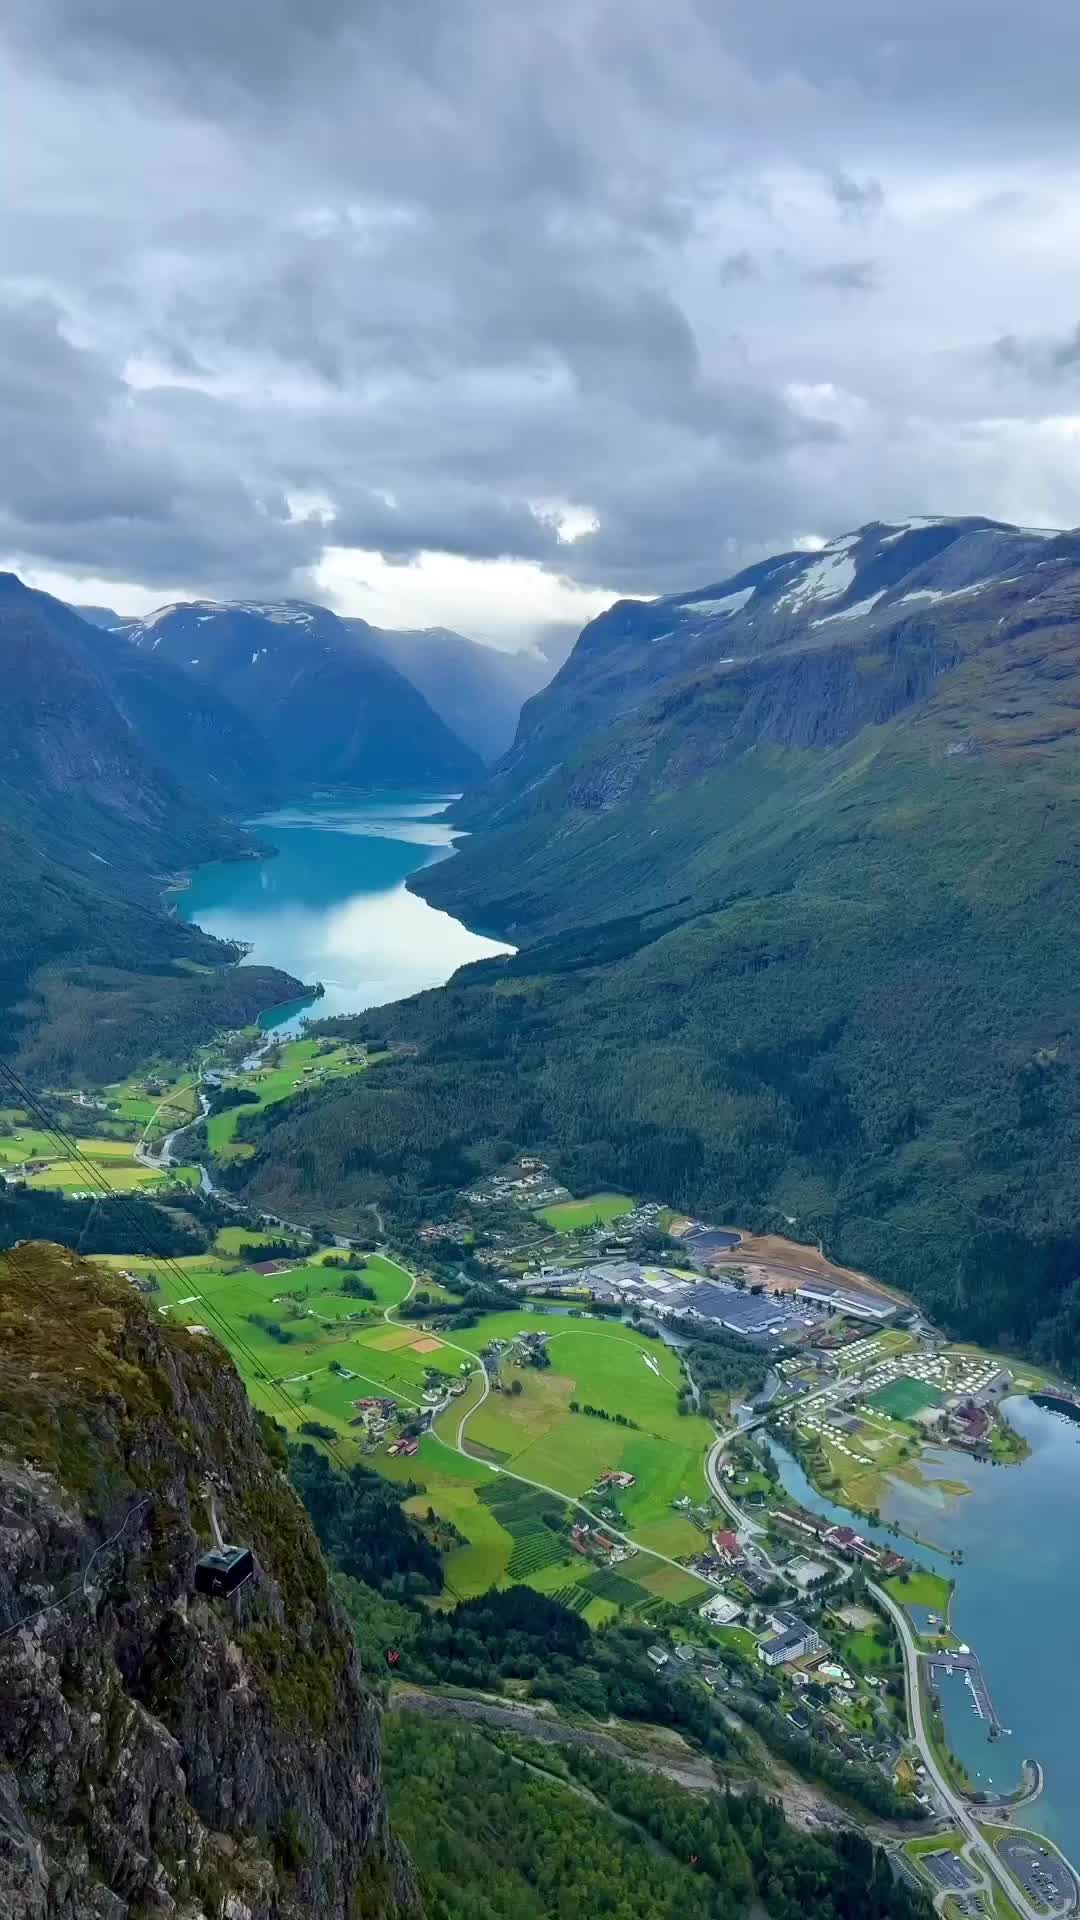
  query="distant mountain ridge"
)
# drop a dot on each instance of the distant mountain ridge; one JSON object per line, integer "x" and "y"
{"x": 328, "y": 706}
{"x": 874, "y": 580}
{"x": 479, "y": 691}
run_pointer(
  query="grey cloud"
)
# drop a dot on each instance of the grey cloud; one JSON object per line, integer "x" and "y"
{"x": 844, "y": 276}
{"x": 738, "y": 267}
{"x": 860, "y": 199}
{"x": 847, "y": 276}
{"x": 1042, "y": 359}
{"x": 440, "y": 266}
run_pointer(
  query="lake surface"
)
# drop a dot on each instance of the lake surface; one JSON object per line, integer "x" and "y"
{"x": 332, "y": 905}
{"x": 1015, "y": 1591}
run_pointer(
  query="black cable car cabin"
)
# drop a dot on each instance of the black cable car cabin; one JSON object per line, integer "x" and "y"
{"x": 222, "y": 1570}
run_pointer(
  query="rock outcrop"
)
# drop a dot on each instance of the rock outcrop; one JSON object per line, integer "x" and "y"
{"x": 162, "y": 1753}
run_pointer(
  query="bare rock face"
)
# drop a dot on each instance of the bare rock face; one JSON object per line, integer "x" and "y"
{"x": 162, "y": 1753}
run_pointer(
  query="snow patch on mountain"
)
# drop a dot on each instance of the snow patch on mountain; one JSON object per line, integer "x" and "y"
{"x": 851, "y": 613}
{"x": 729, "y": 603}
{"x": 911, "y": 526}
{"x": 831, "y": 574}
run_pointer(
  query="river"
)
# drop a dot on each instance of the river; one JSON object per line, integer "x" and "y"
{"x": 331, "y": 904}
{"x": 1020, "y": 1575}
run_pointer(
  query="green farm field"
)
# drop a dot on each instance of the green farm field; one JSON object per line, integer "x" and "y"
{"x": 308, "y": 1350}
{"x": 595, "y": 1210}
{"x": 303, "y": 1065}
{"x": 921, "y": 1589}
{"x": 27, "y": 1143}
{"x": 536, "y": 1434}
{"x": 124, "y": 1176}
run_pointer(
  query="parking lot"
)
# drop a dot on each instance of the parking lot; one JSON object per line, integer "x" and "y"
{"x": 1042, "y": 1875}
{"x": 948, "y": 1870}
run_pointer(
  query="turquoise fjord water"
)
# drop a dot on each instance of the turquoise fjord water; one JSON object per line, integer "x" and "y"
{"x": 332, "y": 905}
{"x": 1015, "y": 1591}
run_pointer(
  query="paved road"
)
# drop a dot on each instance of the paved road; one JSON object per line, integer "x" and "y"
{"x": 978, "y": 1850}
{"x": 558, "y": 1493}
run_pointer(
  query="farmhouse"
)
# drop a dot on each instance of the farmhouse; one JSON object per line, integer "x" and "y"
{"x": 726, "y": 1546}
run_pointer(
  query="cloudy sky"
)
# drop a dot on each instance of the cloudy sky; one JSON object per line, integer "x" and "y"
{"x": 481, "y": 312}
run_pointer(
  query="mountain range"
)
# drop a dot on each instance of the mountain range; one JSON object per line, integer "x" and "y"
{"x": 132, "y": 750}
{"x": 326, "y": 704}
{"x": 477, "y": 691}
{"x": 791, "y": 861}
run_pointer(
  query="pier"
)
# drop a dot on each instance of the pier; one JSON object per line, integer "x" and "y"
{"x": 968, "y": 1663}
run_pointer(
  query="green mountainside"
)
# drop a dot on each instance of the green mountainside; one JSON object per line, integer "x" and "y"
{"x": 76, "y": 778}
{"x": 93, "y": 975}
{"x": 797, "y": 925}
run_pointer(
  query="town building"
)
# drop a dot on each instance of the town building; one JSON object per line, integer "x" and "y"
{"x": 719, "y": 1610}
{"x": 851, "y": 1301}
{"x": 793, "y": 1639}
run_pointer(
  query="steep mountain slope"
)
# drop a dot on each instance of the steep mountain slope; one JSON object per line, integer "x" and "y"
{"x": 74, "y": 775}
{"x": 192, "y": 730}
{"x": 93, "y": 975}
{"x": 159, "y": 1751}
{"x": 106, "y": 617}
{"x": 479, "y": 691}
{"x": 329, "y": 707}
{"x": 870, "y": 582}
{"x": 798, "y": 928}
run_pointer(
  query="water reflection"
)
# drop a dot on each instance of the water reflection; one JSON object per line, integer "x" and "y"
{"x": 1016, "y": 1528}
{"x": 331, "y": 904}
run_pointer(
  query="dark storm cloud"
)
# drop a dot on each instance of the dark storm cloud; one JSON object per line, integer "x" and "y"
{"x": 403, "y": 276}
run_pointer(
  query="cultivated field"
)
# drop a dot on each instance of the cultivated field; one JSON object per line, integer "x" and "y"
{"x": 304, "y": 1063}
{"x": 114, "y": 1159}
{"x": 308, "y": 1350}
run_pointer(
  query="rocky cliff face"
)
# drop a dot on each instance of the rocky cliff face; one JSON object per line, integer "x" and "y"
{"x": 162, "y": 1753}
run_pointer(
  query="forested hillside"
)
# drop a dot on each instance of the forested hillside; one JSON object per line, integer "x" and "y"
{"x": 94, "y": 976}
{"x": 494, "y": 1836}
{"x": 797, "y": 929}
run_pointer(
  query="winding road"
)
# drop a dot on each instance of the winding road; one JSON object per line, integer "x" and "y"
{"x": 557, "y": 1493}
{"x": 978, "y": 1850}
